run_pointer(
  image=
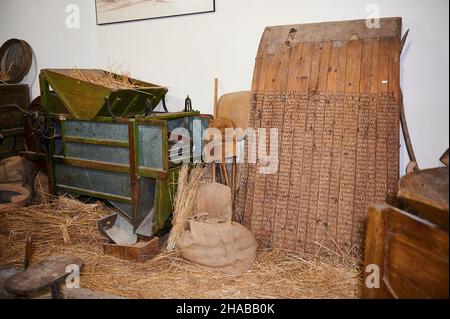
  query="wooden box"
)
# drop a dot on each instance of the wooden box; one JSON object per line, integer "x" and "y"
{"x": 11, "y": 119}
{"x": 410, "y": 252}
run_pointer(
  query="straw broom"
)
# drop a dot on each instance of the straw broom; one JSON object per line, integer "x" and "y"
{"x": 185, "y": 199}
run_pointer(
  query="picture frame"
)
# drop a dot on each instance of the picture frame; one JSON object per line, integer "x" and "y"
{"x": 119, "y": 11}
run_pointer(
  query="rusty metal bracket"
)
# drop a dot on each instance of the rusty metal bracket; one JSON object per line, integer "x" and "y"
{"x": 39, "y": 123}
{"x": 164, "y": 104}
{"x": 148, "y": 107}
{"x": 109, "y": 108}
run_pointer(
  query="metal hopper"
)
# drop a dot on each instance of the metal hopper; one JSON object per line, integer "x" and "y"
{"x": 87, "y": 99}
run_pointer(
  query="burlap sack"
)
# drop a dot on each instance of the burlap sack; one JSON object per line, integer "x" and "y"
{"x": 218, "y": 244}
{"x": 215, "y": 199}
{"x": 13, "y": 170}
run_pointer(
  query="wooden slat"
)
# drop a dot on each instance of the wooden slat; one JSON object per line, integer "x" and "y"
{"x": 295, "y": 68}
{"x": 393, "y": 121}
{"x": 264, "y": 119}
{"x": 372, "y": 126}
{"x": 307, "y": 142}
{"x": 324, "y": 66}
{"x": 326, "y": 147}
{"x": 87, "y": 192}
{"x": 381, "y": 179}
{"x": 318, "y": 102}
{"x": 360, "y": 206}
{"x": 250, "y": 170}
{"x": 259, "y": 59}
{"x": 107, "y": 167}
{"x": 95, "y": 141}
{"x": 377, "y": 221}
{"x": 348, "y": 157}
{"x": 277, "y": 83}
{"x": 333, "y": 68}
{"x": 298, "y": 115}
{"x": 343, "y": 30}
{"x": 305, "y": 68}
{"x": 338, "y": 132}
{"x": 366, "y": 67}
{"x": 279, "y": 204}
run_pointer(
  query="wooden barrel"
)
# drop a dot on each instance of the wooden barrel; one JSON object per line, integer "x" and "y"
{"x": 16, "y": 57}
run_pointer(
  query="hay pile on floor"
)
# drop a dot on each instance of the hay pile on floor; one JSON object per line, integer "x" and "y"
{"x": 66, "y": 226}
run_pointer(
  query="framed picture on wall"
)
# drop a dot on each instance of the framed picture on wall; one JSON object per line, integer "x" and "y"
{"x": 114, "y": 11}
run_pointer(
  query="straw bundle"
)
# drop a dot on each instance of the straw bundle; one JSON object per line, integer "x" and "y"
{"x": 185, "y": 199}
{"x": 66, "y": 226}
{"x": 107, "y": 79}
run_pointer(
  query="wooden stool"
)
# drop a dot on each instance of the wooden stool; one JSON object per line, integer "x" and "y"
{"x": 48, "y": 274}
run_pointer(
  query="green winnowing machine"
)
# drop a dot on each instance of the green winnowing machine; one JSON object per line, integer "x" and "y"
{"x": 108, "y": 143}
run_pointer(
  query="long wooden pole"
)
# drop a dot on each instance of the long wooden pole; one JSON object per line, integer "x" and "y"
{"x": 216, "y": 98}
{"x": 216, "y": 111}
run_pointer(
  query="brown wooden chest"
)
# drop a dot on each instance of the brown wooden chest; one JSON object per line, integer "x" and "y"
{"x": 11, "y": 118}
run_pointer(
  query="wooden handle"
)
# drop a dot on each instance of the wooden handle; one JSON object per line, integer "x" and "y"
{"x": 216, "y": 98}
{"x": 28, "y": 251}
{"x": 233, "y": 181}
{"x": 406, "y": 136}
{"x": 225, "y": 173}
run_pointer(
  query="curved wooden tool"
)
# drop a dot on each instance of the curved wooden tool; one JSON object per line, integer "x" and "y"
{"x": 412, "y": 165}
{"x": 403, "y": 42}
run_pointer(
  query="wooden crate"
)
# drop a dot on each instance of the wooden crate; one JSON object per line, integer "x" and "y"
{"x": 11, "y": 119}
{"x": 410, "y": 252}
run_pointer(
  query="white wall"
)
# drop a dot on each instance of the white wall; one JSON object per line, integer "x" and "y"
{"x": 187, "y": 53}
{"x": 42, "y": 23}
